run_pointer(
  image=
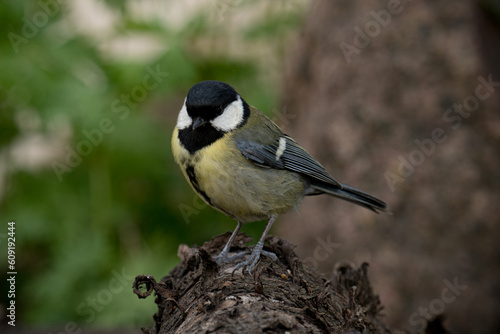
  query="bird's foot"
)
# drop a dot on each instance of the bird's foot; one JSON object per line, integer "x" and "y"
{"x": 254, "y": 258}
{"x": 224, "y": 257}
{"x": 270, "y": 255}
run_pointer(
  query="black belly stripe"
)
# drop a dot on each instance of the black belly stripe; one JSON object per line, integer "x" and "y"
{"x": 194, "y": 181}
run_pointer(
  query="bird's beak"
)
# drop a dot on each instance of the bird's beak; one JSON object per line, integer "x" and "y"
{"x": 198, "y": 121}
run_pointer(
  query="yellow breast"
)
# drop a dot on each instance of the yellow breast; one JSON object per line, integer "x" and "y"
{"x": 228, "y": 182}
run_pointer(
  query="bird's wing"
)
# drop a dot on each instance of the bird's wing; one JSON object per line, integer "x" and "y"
{"x": 285, "y": 153}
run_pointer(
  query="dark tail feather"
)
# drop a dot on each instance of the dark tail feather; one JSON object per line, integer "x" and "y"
{"x": 353, "y": 195}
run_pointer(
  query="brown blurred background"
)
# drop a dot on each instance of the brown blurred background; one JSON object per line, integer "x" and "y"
{"x": 364, "y": 84}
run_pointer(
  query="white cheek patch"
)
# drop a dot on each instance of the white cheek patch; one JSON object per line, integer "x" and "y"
{"x": 184, "y": 121}
{"x": 230, "y": 118}
{"x": 281, "y": 148}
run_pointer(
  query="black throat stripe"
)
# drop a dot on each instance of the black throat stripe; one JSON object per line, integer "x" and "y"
{"x": 194, "y": 140}
{"x": 194, "y": 181}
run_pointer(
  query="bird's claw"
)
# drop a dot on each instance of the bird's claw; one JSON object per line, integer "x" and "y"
{"x": 252, "y": 261}
{"x": 225, "y": 258}
{"x": 270, "y": 255}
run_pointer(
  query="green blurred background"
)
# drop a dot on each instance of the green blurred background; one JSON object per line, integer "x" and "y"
{"x": 76, "y": 77}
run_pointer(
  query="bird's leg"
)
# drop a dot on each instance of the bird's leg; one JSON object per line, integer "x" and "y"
{"x": 223, "y": 256}
{"x": 257, "y": 251}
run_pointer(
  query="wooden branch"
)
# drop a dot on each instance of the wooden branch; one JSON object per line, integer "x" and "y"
{"x": 198, "y": 296}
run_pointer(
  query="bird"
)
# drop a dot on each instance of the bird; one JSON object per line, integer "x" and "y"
{"x": 243, "y": 165}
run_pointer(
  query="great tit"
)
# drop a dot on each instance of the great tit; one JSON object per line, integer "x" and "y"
{"x": 240, "y": 162}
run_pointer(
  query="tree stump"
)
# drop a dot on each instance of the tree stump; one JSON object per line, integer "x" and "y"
{"x": 288, "y": 296}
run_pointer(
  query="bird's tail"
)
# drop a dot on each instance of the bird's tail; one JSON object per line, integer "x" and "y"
{"x": 353, "y": 195}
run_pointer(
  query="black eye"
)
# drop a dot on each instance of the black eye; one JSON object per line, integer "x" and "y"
{"x": 220, "y": 110}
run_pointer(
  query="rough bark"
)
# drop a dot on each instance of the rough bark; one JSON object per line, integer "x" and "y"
{"x": 198, "y": 296}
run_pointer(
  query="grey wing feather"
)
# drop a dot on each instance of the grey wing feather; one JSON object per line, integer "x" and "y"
{"x": 259, "y": 154}
{"x": 296, "y": 159}
{"x": 293, "y": 158}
